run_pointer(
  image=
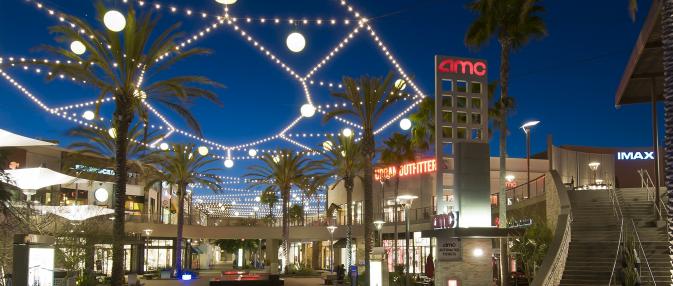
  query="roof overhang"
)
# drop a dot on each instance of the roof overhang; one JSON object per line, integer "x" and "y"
{"x": 644, "y": 72}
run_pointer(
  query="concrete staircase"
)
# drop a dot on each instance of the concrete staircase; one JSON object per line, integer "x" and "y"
{"x": 653, "y": 238}
{"x": 595, "y": 235}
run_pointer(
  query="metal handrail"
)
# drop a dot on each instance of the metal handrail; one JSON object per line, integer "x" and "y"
{"x": 617, "y": 206}
{"x": 649, "y": 186}
{"x": 635, "y": 230}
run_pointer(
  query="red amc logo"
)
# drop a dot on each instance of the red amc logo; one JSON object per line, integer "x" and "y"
{"x": 477, "y": 68}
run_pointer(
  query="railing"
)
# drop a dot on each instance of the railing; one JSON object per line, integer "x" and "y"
{"x": 553, "y": 264}
{"x": 649, "y": 186}
{"x": 642, "y": 250}
{"x": 617, "y": 209}
{"x": 520, "y": 192}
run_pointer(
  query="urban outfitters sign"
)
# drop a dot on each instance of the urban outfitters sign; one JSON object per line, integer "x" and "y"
{"x": 408, "y": 169}
{"x": 449, "y": 249}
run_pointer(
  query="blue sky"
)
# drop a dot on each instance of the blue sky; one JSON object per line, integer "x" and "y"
{"x": 567, "y": 80}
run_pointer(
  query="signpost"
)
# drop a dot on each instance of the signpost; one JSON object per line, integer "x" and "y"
{"x": 449, "y": 249}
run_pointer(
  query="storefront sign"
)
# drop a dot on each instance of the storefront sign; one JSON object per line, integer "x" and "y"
{"x": 467, "y": 67}
{"x": 635, "y": 155}
{"x": 449, "y": 249}
{"x": 443, "y": 221}
{"x": 409, "y": 169}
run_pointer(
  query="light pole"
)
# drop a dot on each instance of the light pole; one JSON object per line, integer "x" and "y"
{"x": 331, "y": 230}
{"x": 406, "y": 200}
{"x": 527, "y": 129}
{"x": 379, "y": 224}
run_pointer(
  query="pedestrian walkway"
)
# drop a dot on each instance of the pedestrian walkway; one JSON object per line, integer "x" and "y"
{"x": 203, "y": 281}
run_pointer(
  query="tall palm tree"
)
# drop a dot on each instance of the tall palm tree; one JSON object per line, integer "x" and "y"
{"x": 183, "y": 166}
{"x": 513, "y": 23}
{"x": 398, "y": 149}
{"x": 342, "y": 159}
{"x": 423, "y": 124}
{"x": 279, "y": 173}
{"x": 113, "y": 64}
{"x": 310, "y": 188}
{"x": 367, "y": 100}
{"x": 269, "y": 197}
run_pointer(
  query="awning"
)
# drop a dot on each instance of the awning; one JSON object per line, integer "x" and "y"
{"x": 9, "y": 139}
{"x": 38, "y": 178}
{"x": 644, "y": 72}
{"x": 76, "y": 213}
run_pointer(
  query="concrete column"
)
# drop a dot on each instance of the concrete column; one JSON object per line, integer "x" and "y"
{"x": 272, "y": 247}
{"x": 315, "y": 254}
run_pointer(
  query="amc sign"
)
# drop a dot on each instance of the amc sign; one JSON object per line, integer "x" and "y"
{"x": 443, "y": 221}
{"x": 635, "y": 155}
{"x": 462, "y": 66}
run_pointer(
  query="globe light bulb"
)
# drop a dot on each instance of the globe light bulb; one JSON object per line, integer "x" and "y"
{"x": 228, "y": 163}
{"x": 140, "y": 94}
{"x": 252, "y": 152}
{"x": 114, "y": 20}
{"x": 347, "y": 132}
{"x": 226, "y": 2}
{"x": 88, "y": 115}
{"x": 112, "y": 132}
{"x": 400, "y": 84}
{"x": 307, "y": 110}
{"x": 101, "y": 195}
{"x": 203, "y": 150}
{"x": 405, "y": 124}
{"x": 295, "y": 42}
{"x": 163, "y": 146}
{"x": 327, "y": 145}
{"x": 77, "y": 47}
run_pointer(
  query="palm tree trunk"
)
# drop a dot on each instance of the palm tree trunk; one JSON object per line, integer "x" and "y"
{"x": 286, "y": 230}
{"x": 369, "y": 153}
{"x": 182, "y": 188}
{"x": 123, "y": 120}
{"x": 504, "y": 85}
{"x": 667, "y": 41}
{"x": 349, "y": 219}
{"x": 395, "y": 215}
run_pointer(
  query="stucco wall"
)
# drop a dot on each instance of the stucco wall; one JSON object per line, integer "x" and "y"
{"x": 472, "y": 271}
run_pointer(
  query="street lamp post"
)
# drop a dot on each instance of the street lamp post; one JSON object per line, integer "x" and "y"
{"x": 594, "y": 167}
{"x": 379, "y": 225}
{"x": 527, "y": 129}
{"x": 406, "y": 200}
{"x": 331, "y": 230}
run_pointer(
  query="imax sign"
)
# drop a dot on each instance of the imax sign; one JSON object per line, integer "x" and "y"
{"x": 635, "y": 155}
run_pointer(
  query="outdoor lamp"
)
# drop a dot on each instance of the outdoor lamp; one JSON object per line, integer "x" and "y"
{"x": 528, "y": 125}
{"x": 112, "y": 132}
{"x": 400, "y": 84}
{"x": 77, "y": 47}
{"x": 114, "y": 20}
{"x": 307, "y": 110}
{"x": 295, "y": 42}
{"x": 88, "y": 115}
{"x": 327, "y": 145}
{"x": 148, "y": 232}
{"x": 526, "y": 129}
{"x": 252, "y": 152}
{"x": 594, "y": 166}
{"x": 347, "y": 132}
{"x": 378, "y": 224}
{"x": 510, "y": 178}
{"x": 228, "y": 163}
{"x": 163, "y": 146}
{"x": 226, "y": 2}
{"x": 405, "y": 124}
{"x": 406, "y": 200}
{"x": 203, "y": 150}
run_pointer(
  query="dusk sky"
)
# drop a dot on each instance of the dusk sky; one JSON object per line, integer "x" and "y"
{"x": 566, "y": 80}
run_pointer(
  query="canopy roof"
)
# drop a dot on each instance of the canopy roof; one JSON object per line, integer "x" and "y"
{"x": 38, "y": 178}
{"x": 76, "y": 213}
{"x": 9, "y": 139}
{"x": 645, "y": 69}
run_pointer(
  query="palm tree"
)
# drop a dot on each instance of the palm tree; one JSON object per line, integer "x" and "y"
{"x": 513, "y": 23}
{"x": 423, "y": 122}
{"x": 113, "y": 64}
{"x": 184, "y": 166}
{"x": 310, "y": 188}
{"x": 398, "y": 150}
{"x": 367, "y": 100}
{"x": 269, "y": 197}
{"x": 343, "y": 160}
{"x": 278, "y": 173}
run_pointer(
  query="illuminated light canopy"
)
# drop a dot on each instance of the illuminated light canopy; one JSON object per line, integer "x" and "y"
{"x": 347, "y": 132}
{"x": 228, "y": 163}
{"x": 77, "y": 47}
{"x": 101, "y": 195}
{"x": 163, "y": 146}
{"x": 203, "y": 150}
{"x": 400, "y": 84}
{"x": 114, "y": 20}
{"x": 252, "y": 152}
{"x": 112, "y": 132}
{"x": 405, "y": 124}
{"x": 307, "y": 110}
{"x": 88, "y": 115}
{"x": 295, "y": 42}
{"x": 409, "y": 169}
{"x": 226, "y": 2}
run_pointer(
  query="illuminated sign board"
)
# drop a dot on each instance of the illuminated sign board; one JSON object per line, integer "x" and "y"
{"x": 443, "y": 221}
{"x": 635, "y": 155}
{"x": 408, "y": 169}
{"x": 462, "y": 66}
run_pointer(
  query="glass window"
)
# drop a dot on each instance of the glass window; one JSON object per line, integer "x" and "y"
{"x": 447, "y": 85}
{"x": 475, "y": 87}
{"x": 461, "y": 102}
{"x": 476, "y": 118}
{"x": 461, "y": 117}
{"x": 461, "y": 133}
{"x": 476, "y": 103}
{"x": 447, "y": 116}
{"x": 447, "y": 132}
{"x": 447, "y": 101}
{"x": 461, "y": 86}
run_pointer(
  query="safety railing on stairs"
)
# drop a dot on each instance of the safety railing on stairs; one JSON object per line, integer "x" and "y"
{"x": 642, "y": 251}
{"x": 617, "y": 208}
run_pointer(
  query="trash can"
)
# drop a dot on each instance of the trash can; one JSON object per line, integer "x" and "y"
{"x": 353, "y": 274}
